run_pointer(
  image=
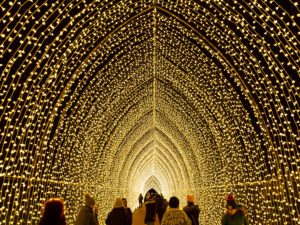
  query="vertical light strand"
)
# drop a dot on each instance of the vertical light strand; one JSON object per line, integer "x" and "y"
{"x": 154, "y": 60}
{"x": 154, "y": 84}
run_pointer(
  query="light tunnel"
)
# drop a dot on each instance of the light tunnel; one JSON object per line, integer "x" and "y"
{"x": 115, "y": 97}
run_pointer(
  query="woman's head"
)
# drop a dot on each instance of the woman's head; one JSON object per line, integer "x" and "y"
{"x": 53, "y": 212}
{"x": 54, "y": 207}
{"x": 89, "y": 201}
{"x": 174, "y": 202}
{"x": 118, "y": 203}
{"x": 231, "y": 204}
{"x": 124, "y": 202}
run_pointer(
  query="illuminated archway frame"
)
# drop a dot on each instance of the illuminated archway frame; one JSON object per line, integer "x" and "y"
{"x": 285, "y": 140}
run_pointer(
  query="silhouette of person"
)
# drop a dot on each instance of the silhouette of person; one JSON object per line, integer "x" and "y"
{"x": 53, "y": 212}
{"x": 140, "y": 200}
{"x": 87, "y": 215}
{"x": 233, "y": 215}
{"x": 192, "y": 210}
{"x": 118, "y": 215}
{"x": 174, "y": 215}
{"x": 128, "y": 209}
{"x": 150, "y": 205}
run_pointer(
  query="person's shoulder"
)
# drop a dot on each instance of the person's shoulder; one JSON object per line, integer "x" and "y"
{"x": 186, "y": 208}
{"x": 197, "y": 207}
{"x": 182, "y": 210}
{"x": 86, "y": 209}
{"x": 240, "y": 211}
{"x": 225, "y": 216}
{"x": 191, "y": 208}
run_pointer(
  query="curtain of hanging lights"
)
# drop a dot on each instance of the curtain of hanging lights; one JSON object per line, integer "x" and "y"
{"x": 117, "y": 97}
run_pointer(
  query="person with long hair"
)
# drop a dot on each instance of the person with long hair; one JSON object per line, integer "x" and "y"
{"x": 88, "y": 213}
{"x": 118, "y": 215}
{"x": 53, "y": 212}
{"x": 127, "y": 209}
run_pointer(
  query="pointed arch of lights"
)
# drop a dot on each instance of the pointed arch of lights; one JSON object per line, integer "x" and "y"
{"x": 114, "y": 97}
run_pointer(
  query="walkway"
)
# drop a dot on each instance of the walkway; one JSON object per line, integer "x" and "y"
{"x": 139, "y": 215}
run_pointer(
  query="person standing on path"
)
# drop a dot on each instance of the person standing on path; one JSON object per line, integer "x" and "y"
{"x": 118, "y": 215}
{"x": 233, "y": 215}
{"x": 140, "y": 200}
{"x": 88, "y": 213}
{"x": 192, "y": 210}
{"x": 174, "y": 215}
{"x": 127, "y": 209}
{"x": 53, "y": 212}
{"x": 150, "y": 204}
{"x": 159, "y": 207}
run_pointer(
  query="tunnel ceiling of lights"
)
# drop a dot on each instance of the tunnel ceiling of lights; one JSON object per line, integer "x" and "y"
{"x": 117, "y": 97}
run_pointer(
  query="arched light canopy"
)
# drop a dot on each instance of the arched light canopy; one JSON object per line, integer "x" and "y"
{"x": 118, "y": 97}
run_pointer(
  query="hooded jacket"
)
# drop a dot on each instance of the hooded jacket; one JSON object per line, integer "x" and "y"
{"x": 192, "y": 211}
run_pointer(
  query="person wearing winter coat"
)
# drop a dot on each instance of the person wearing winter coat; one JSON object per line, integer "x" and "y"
{"x": 150, "y": 205}
{"x": 128, "y": 210}
{"x": 88, "y": 213}
{"x": 53, "y": 212}
{"x": 159, "y": 207}
{"x": 118, "y": 215}
{"x": 192, "y": 210}
{"x": 233, "y": 215}
{"x": 174, "y": 215}
{"x": 140, "y": 200}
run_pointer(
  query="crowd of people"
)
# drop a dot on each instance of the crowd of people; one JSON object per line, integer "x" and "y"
{"x": 53, "y": 213}
{"x": 167, "y": 212}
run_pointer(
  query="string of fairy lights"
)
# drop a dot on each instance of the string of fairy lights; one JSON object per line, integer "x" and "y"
{"x": 115, "y": 97}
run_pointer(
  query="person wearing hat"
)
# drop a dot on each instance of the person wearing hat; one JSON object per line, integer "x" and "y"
{"x": 192, "y": 210}
{"x": 88, "y": 213}
{"x": 233, "y": 215}
{"x": 118, "y": 215}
